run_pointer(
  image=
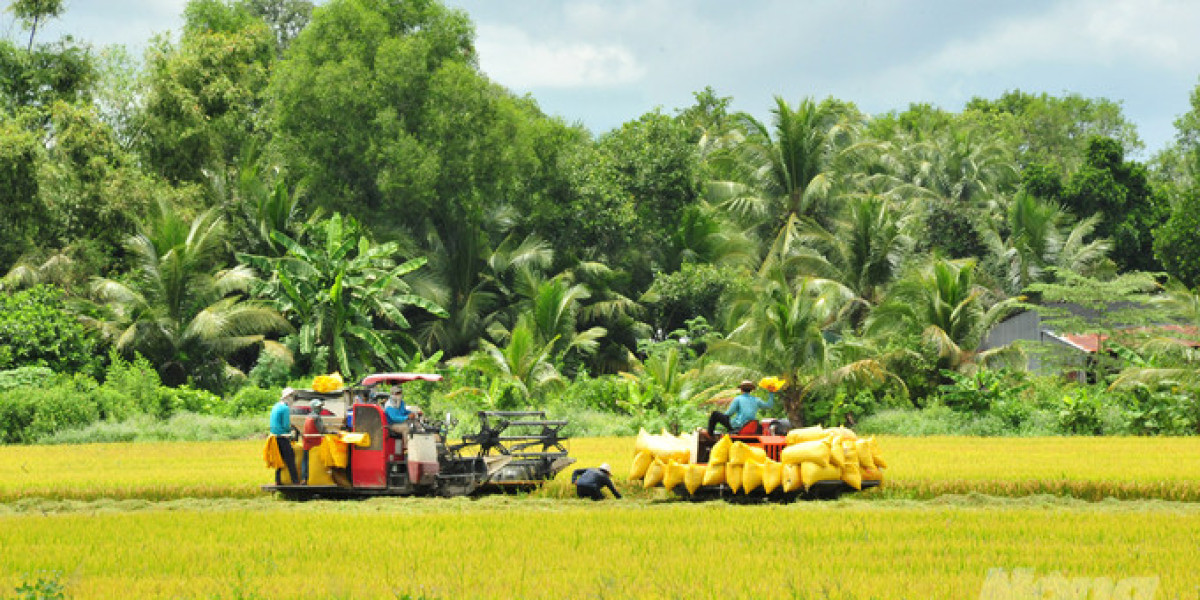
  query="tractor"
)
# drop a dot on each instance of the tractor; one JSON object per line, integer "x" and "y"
{"x": 513, "y": 451}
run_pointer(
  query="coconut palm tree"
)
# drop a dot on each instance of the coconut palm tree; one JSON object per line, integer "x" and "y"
{"x": 180, "y": 309}
{"x": 859, "y": 257}
{"x": 943, "y": 303}
{"x": 1037, "y": 240}
{"x": 783, "y": 174}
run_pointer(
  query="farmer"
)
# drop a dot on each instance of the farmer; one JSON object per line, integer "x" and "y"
{"x": 742, "y": 410}
{"x": 590, "y": 483}
{"x": 281, "y": 429}
{"x": 314, "y": 430}
{"x": 397, "y": 412}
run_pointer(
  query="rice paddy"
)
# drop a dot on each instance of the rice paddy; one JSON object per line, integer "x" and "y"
{"x": 187, "y": 521}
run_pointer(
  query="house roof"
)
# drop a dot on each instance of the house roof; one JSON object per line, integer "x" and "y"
{"x": 1090, "y": 342}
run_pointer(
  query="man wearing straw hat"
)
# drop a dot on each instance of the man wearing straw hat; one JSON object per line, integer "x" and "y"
{"x": 590, "y": 483}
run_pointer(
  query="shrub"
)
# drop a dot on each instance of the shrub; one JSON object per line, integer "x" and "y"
{"x": 36, "y": 328}
{"x": 28, "y": 376}
{"x": 249, "y": 400}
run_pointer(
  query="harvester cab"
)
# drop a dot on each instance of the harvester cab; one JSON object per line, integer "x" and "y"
{"x": 368, "y": 456}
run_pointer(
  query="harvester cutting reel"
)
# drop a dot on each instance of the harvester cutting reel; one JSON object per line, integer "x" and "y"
{"x": 516, "y": 435}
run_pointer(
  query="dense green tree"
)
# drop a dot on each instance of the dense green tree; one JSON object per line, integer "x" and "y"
{"x": 1054, "y": 130}
{"x": 1177, "y": 241}
{"x": 204, "y": 97}
{"x": 1119, "y": 191}
{"x": 22, "y": 213}
{"x": 286, "y": 18}
{"x": 180, "y": 308}
{"x": 35, "y": 78}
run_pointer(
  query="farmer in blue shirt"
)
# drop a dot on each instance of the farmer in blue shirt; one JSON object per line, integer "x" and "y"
{"x": 742, "y": 410}
{"x": 397, "y": 411}
{"x": 281, "y": 428}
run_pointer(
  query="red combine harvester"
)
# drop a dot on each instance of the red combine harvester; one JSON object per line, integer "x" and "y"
{"x": 514, "y": 451}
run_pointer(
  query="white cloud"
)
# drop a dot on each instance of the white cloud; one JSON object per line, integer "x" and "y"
{"x": 510, "y": 57}
{"x": 1152, "y": 33}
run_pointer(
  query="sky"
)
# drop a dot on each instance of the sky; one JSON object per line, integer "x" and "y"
{"x": 604, "y": 62}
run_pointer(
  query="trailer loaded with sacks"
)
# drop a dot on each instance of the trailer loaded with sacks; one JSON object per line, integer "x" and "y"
{"x": 807, "y": 463}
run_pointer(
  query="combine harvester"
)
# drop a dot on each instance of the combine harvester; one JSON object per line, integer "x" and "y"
{"x": 809, "y": 463}
{"x": 513, "y": 451}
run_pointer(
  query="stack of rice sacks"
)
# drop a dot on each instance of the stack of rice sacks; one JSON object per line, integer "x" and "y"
{"x": 812, "y": 454}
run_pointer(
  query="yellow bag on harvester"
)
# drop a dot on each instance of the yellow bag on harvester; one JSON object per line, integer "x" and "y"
{"x": 772, "y": 476}
{"x": 741, "y": 453}
{"x": 872, "y": 475}
{"x": 876, "y": 455}
{"x": 791, "y": 478}
{"x": 845, "y": 432}
{"x": 654, "y": 474}
{"x": 663, "y": 446}
{"x": 811, "y": 473}
{"x": 815, "y": 451}
{"x": 714, "y": 474}
{"x": 733, "y": 476}
{"x": 865, "y": 457}
{"x": 852, "y": 475}
{"x": 837, "y": 452}
{"x": 806, "y": 434}
{"x": 752, "y": 476}
{"x": 694, "y": 477}
{"x": 641, "y": 463}
{"x": 674, "y": 474}
{"x": 719, "y": 454}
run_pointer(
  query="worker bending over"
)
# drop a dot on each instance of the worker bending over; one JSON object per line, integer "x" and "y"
{"x": 590, "y": 483}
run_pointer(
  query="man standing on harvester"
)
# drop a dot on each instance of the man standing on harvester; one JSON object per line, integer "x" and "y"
{"x": 742, "y": 410}
{"x": 590, "y": 483}
{"x": 281, "y": 430}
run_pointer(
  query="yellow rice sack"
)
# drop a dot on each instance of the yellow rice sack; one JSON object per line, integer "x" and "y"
{"x": 654, "y": 475}
{"x": 791, "y": 478}
{"x": 849, "y": 451}
{"x": 852, "y": 474}
{"x": 811, "y": 473}
{"x": 815, "y": 451}
{"x": 641, "y": 463}
{"x": 772, "y": 476}
{"x": 872, "y": 475}
{"x": 674, "y": 474}
{"x": 694, "y": 477}
{"x": 752, "y": 476}
{"x": 806, "y": 434}
{"x": 865, "y": 458}
{"x": 844, "y": 432}
{"x": 837, "y": 452}
{"x": 733, "y": 476}
{"x": 720, "y": 451}
{"x": 642, "y": 444}
{"x": 738, "y": 452}
{"x": 714, "y": 474}
{"x": 876, "y": 455}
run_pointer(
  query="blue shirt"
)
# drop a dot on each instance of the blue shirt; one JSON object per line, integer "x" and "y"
{"x": 396, "y": 414}
{"x": 744, "y": 408}
{"x": 281, "y": 418}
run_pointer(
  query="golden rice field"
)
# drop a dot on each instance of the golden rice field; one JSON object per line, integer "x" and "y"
{"x": 183, "y": 520}
{"x": 1088, "y": 468}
